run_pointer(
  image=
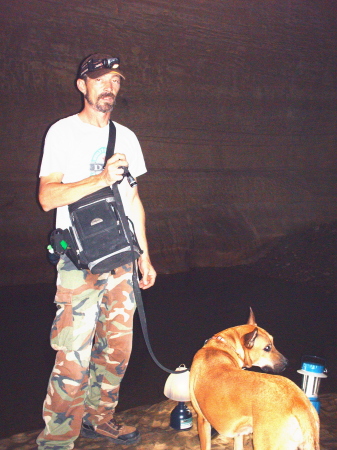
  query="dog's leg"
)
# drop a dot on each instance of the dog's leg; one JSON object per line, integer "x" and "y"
{"x": 204, "y": 429}
{"x": 238, "y": 442}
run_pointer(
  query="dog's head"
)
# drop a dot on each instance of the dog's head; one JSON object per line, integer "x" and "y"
{"x": 259, "y": 349}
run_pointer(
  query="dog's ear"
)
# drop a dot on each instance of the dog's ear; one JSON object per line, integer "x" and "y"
{"x": 249, "y": 339}
{"x": 251, "y": 319}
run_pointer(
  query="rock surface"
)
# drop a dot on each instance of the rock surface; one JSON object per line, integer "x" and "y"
{"x": 234, "y": 104}
{"x": 305, "y": 256}
{"x": 153, "y": 423}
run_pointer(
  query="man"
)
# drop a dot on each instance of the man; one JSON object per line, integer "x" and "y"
{"x": 84, "y": 384}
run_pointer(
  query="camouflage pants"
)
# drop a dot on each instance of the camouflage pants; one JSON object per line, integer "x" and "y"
{"x": 85, "y": 380}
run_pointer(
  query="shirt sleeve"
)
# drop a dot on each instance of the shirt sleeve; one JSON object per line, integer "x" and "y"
{"x": 137, "y": 165}
{"x": 54, "y": 151}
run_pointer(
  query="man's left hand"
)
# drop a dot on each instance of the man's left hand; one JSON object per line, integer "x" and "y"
{"x": 147, "y": 271}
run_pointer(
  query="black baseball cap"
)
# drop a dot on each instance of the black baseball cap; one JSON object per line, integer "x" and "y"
{"x": 98, "y": 64}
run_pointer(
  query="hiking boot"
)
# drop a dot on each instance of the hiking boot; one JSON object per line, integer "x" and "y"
{"x": 114, "y": 432}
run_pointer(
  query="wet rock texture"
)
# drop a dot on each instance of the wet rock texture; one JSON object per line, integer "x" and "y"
{"x": 153, "y": 423}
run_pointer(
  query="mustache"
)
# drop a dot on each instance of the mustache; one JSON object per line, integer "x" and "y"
{"x": 106, "y": 95}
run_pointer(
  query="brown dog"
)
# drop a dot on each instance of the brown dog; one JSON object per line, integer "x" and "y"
{"x": 237, "y": 402}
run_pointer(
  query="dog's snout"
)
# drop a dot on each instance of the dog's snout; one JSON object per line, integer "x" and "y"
{"x": 278, "y": 366}
{"x": 281, "y": 365}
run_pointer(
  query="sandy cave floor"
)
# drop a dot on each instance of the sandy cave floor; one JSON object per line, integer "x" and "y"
{"x": 153, "y": 423}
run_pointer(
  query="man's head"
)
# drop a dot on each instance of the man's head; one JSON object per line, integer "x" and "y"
{"x": 99, "y": 81}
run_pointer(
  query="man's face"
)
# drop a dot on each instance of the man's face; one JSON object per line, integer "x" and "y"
{"x": 100, "y": 93}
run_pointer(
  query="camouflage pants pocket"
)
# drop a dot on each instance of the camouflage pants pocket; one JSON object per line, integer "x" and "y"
{"x": 61, "y": 336}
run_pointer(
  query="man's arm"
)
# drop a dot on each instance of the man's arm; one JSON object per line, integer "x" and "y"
{"x": 53, "y": 193}
{"x": 137, "y": 215}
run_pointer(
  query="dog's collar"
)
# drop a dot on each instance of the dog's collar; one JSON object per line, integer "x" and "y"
{"x": 220, "y": 338}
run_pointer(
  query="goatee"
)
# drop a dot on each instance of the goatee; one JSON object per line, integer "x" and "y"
{"x": 102, "y": 107}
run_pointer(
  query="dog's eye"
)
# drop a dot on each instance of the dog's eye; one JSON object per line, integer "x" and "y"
{"x": 268, "y": 348}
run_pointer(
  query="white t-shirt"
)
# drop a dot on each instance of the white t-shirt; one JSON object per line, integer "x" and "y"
{"x": 78, "y": 149}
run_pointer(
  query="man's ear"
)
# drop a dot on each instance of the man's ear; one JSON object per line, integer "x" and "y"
{"x": 81, "y": 86}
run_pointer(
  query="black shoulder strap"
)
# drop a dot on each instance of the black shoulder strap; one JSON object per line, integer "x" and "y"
{"x": 110, "y": 149}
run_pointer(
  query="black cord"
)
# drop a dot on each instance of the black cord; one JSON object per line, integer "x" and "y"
{"x": 136, "y": 289}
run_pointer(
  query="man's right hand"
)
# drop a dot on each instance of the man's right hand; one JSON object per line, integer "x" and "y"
{"x": 113, "y": 170}
{"x": 53, "y": 193}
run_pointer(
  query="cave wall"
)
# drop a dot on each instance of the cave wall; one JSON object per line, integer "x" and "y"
{"x": 234, "y": 103}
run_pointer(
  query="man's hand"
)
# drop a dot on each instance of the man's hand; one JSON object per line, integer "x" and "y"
{"x": 113, "y": 171}
{"x": 147, "y": 271}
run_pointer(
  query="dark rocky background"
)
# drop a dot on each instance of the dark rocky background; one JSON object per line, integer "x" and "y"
{"x": 234, "y": 104}
{"x": 235, "y": 107}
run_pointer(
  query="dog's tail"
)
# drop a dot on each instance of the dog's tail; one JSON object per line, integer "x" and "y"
{"x": 309, "y": 423}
